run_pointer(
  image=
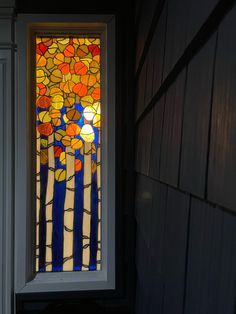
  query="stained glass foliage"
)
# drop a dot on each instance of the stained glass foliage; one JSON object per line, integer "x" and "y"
{"x": 68, "y": 159}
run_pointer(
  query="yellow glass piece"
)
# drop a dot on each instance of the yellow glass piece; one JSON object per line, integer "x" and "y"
{"x": 56, "y": 122}
{"x": 56, "y": 76}
{"x": 75, "y": 78}
{"x": 44, "y": 116}
{"x": 62, "y": 158}
{"x": 59, "y": 58}
{"x": 97, "y": 107}
{"x": 55, "y": 113}
{"x": 69, "y": 101}
{"x": 67, "y": 77}
{"x": 68, "y": 87}
{"x": 40, "y": 76}
{"x": 97, "y": 59}
{"x": 97, "y": 121}
{"x": 87, "y": 133}
{"x": 89, "y": 113}
{"x": 57, "y": 101}
{"x": 66, "y": 140}
{"x": 47, "y": 41}
{"x": 86, "y": 61}
{"x": 94, "y": 67}
{"x": 44, "y": 142}
{"x": 53, "y": 48}
{"x": 55, "y": 91}
{"x": 65, "y": 118}
{"x": 60, "y": 175}
{"x": 59, "y": 134}
{"x": 46, "y": 81}
{"x": 86, "y": 101}
{"x": 63, "y": 41}
{"x": 76, "y": 143}
{"x": 40, "y": 61}
{"x": 49, "y": 64}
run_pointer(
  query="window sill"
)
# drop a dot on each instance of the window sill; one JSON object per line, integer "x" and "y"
{"x": 68, "y": 281}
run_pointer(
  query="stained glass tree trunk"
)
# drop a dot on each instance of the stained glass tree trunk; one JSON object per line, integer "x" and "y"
{"x": 49, "y": 202}
{"x": 68, "y": 169}
{"x": 69, "y": 210}
{"x": 37, "y": 196}
{"x": 99, "y": 200}
{"x": 87, "y": 205}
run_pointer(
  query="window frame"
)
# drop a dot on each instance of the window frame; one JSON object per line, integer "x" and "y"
{"x": 25, "y": 279}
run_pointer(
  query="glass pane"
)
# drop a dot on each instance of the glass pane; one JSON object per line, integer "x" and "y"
{"x": 68, "y": 159}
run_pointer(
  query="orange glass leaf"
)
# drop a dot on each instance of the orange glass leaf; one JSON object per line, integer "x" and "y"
{"x": 45, "y": 129}
{"x": 80, "y": 68}
{"x": 78, "y": 164}
{"x": 64, "y": 67}
{"x": 80, "y": 89}
{"x": 96, "y": 93}
{"x": 43, "y": 102}
{"x": 73, "y": 129}
{"x": 69, "y": 51}
{"x": 41, "y": 89}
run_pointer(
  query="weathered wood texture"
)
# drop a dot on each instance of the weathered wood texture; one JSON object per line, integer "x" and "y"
{"x": 196, "y": 120}
{"x": 222, "y": 165}
{"x": 185, "y": 161}
{"x": 145, "y": 18}
{"x": 172, "y": 130}
{"x": 143, "y": 144}
{"x": 211, "y": 260}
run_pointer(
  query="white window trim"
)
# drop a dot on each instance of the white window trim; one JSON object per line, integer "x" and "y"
{"x": 25, "y": 280}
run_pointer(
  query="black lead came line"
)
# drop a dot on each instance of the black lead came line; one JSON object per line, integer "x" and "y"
{"x": 202, "y": 36}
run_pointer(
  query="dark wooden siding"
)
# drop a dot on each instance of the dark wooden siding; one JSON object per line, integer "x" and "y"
{"x": 186, "y": 158}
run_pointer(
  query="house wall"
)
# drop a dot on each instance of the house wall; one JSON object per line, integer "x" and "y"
{"x": 185, "y": 117}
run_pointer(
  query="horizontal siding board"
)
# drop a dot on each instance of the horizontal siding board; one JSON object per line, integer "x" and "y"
{"x": 142, "y": 257}
{"x": 196, "y": 120}
{"x": 154, "y": 170}
{"x": 172, "y": 126}
{"x": 177, "y": 211}
{"x": 141, "y": 91}
{"x": 204, "y": 243}
{"x": 211, "y": 260}
{"x": 158, "y": 48}
{"x": 157, "y": 226}
{"x": 156, "y": 293}
{"x": 227, "y": 269}
{"x": 222, "y": 165}
{"x": 143, "y": 206}
{"x": 143, "y": 144}
{"x": 149, "y": 80}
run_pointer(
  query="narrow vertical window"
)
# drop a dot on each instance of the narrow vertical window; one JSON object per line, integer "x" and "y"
{"x": 68, "y": 153}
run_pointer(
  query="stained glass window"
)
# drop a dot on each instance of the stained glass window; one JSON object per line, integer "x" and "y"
{"x": 68, "y": 154}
